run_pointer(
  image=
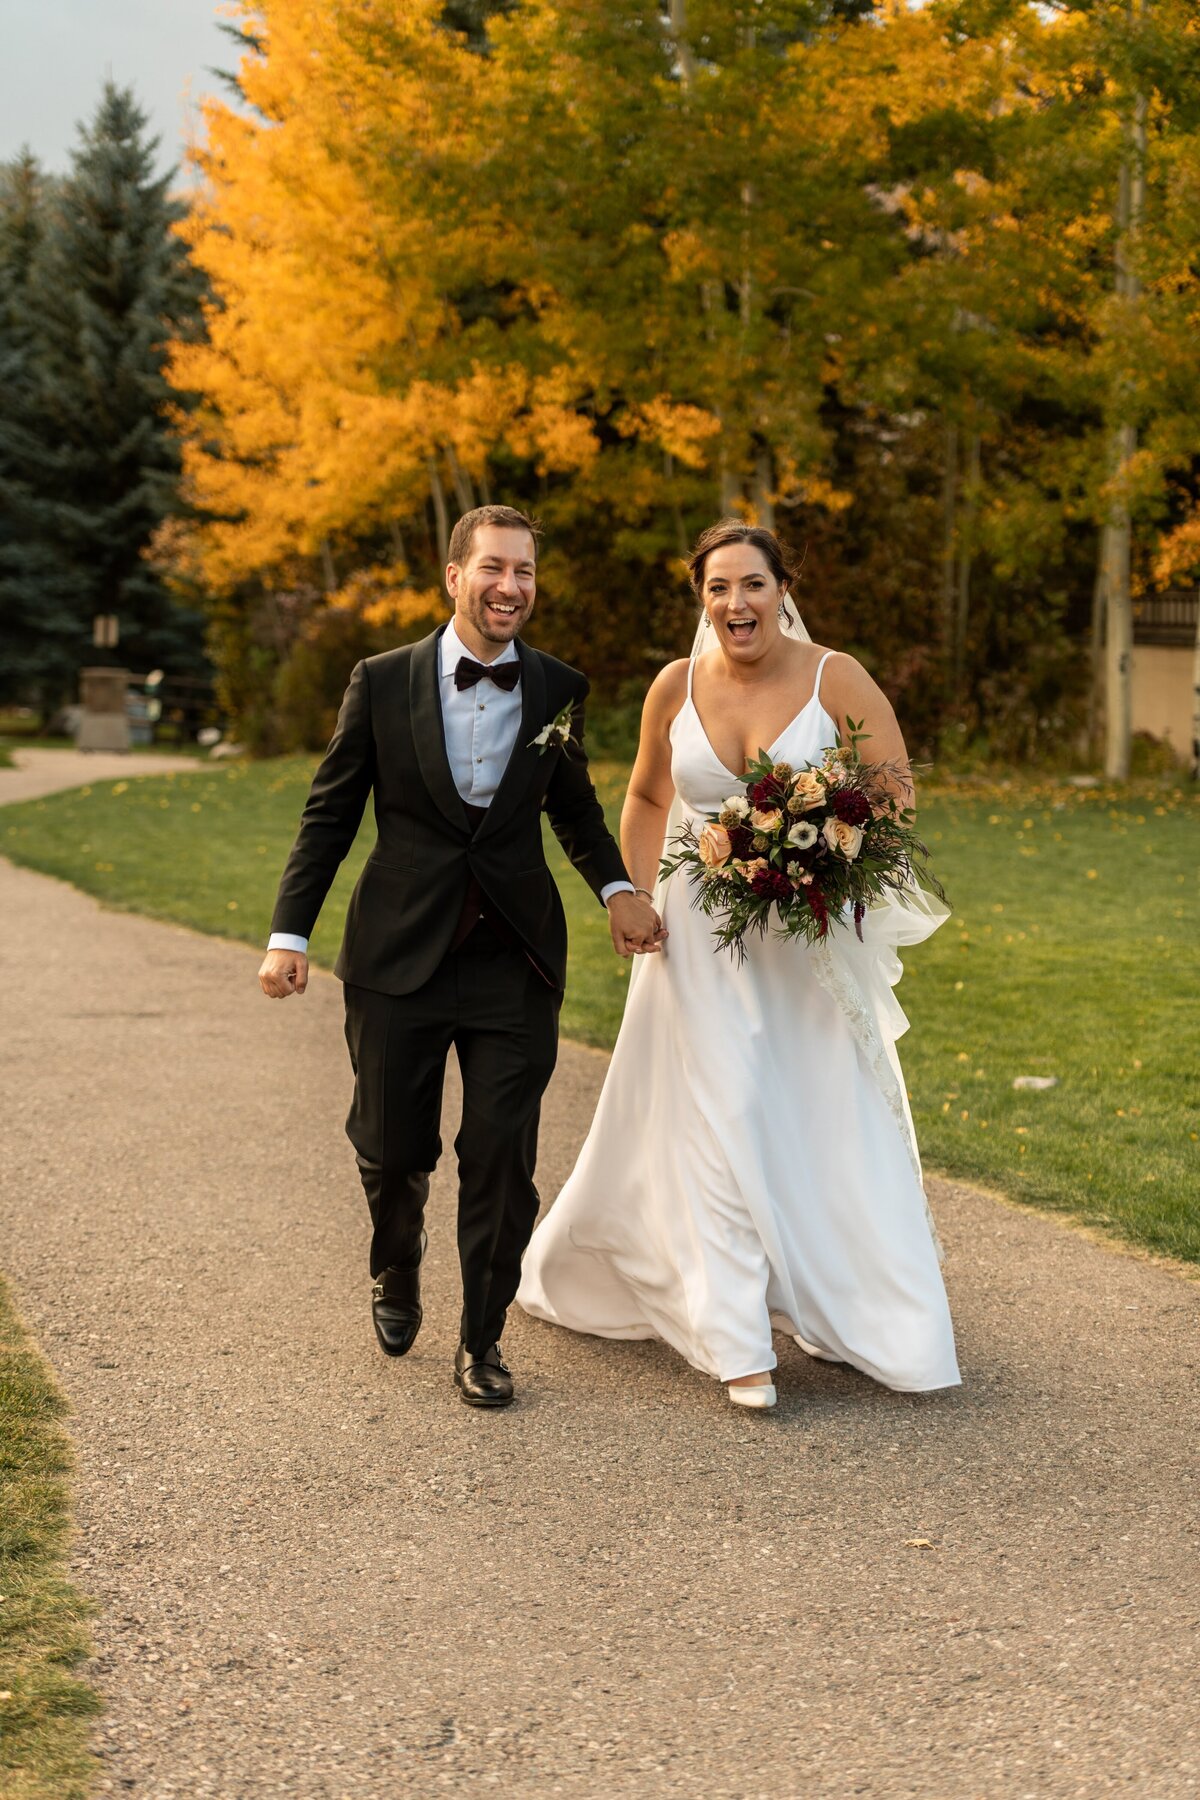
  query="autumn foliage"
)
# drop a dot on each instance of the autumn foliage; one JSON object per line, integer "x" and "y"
{"x": 847, "y": 268}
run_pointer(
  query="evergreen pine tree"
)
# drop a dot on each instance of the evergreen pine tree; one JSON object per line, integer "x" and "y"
{"x": 108, "y": 284}
{"x": 39, "y": 625}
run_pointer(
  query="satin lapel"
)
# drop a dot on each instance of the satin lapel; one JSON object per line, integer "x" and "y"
{"x": 523, "y": 762}
{"x": 429, "y": 731}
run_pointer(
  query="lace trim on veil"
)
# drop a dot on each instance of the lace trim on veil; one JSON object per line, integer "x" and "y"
{"x": 864, "y": 996}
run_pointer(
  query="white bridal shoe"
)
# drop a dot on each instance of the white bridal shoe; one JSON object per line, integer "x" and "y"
{"x": 760, "y": 1394}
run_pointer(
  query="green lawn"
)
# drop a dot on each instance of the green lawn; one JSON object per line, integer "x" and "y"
{"x": 44, "y": 1708}
{"x": 1073, "y": 951}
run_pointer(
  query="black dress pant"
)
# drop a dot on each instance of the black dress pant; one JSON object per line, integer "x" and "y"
{"x": 487, "y": 1001}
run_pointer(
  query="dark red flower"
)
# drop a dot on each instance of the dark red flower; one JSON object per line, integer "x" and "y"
{"x": 850, "y": 806}
{"x": 816, "y": 900}
{"x": 741, "y": 841}
{"x": 771, "y": 884}
{"x": 766, "y": 792}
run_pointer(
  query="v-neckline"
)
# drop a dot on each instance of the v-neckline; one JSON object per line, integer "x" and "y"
{"x": 771, "y": 747}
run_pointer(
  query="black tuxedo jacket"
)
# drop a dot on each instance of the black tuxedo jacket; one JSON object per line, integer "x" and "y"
{"x": 409, "y": 897}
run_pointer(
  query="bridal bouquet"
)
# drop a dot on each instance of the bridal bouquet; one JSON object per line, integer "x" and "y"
{"x": 815, "y": 846}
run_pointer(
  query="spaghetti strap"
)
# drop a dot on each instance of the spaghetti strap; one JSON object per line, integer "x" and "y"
{"x": 816, "y": 693}
{"x": 691, "y": 666}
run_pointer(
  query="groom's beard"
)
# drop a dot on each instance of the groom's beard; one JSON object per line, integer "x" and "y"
{"x": 492, "y": 627}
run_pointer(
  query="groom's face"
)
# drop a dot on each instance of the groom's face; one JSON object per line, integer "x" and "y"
{"x": 494, "y": 590}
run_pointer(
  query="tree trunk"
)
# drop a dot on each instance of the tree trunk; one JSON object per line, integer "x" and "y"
{"x": 681, "y": 542}
{"x": 1095, "y": 705}
{"x": 683, "y": 50}
{"x": 1118, "y": 649}
{"x": 966, "y": 558}
{"x": 764, "y": 483}
{"x": 441, "y": 521}
{"x": 464, "y": 491}
{"x": 1196, "y": 703}
{"x": 949, "y": 551}
{"x": 397, "y": 538}
{"x": 1117, "y": 534}
{"x": 328, "y": 571}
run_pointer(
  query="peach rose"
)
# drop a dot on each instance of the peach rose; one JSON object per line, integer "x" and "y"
{"x": 807, "y": 793}
{"x": 847, "y": 839}
{"x": 766, "y": 818}
{"x": 714, "y": 846}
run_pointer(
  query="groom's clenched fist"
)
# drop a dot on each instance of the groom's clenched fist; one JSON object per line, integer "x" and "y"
{"x": 283, "y": 972}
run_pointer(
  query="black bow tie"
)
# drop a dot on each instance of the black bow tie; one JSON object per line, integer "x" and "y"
{"x": 505, "y": 675}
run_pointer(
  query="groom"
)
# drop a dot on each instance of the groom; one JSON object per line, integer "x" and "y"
{"x": 455, "y": 933}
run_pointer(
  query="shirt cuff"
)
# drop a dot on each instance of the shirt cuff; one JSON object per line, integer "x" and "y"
{"x": 615, "y": 887}
{"x": 287, "y": 940}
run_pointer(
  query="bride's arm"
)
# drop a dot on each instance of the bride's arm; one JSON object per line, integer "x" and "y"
{"x": 651, "y": 790}
{"x": 848, "y": 692}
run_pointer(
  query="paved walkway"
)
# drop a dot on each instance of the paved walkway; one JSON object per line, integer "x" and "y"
{"x": 42, "y": 770}
{"x": 320, "y": 1575}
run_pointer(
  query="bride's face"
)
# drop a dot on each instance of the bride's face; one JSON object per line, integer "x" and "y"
{"x": 741, "y": 598}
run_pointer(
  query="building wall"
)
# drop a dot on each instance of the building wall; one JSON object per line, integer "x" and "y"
{"x": 1162, "y": 694}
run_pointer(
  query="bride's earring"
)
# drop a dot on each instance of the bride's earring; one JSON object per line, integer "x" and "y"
{"x": 782, "y": 612}
{"x": 707, "y": 621}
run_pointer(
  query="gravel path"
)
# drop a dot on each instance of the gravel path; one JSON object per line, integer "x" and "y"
{"x": 44, "y": 770}
{"x": 321, "y": 1575}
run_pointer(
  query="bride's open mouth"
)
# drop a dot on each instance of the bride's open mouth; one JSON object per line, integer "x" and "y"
{"x": 741, "y": 630}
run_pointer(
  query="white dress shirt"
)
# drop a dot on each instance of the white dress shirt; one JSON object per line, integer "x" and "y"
{"x": 481, "y": 724}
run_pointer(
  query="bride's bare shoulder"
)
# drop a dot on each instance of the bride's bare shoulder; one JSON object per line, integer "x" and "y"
{"x": 843, "y": 672}
{"x": 668, "y": 690}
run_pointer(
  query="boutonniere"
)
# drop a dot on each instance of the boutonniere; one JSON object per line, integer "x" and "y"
{"x": 556, "y": 733}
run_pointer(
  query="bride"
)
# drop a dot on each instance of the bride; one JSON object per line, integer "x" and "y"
{"x": 752, "y": 1162}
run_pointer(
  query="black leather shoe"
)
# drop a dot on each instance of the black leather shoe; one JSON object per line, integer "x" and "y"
{"x": 482, "y": 1380}
{"x": 396, "y": 1307}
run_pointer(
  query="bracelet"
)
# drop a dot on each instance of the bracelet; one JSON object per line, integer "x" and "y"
{"x": 646, "y": 891}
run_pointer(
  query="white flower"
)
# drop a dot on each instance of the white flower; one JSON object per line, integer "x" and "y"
{"x": 737, "y": 804}
{"x": 803, "y": 834}
{"x": 558, "y": 731}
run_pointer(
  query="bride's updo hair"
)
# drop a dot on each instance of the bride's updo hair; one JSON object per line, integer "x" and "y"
{"x": 736, "y": 531}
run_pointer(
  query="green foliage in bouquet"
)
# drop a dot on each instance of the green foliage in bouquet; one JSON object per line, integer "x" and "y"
{"x": 811, "y": 848}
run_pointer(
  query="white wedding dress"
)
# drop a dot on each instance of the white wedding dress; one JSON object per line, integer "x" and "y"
{"x": 750, "y": 1163}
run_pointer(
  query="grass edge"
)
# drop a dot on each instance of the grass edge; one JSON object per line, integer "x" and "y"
{"x": 47, "y": 1706}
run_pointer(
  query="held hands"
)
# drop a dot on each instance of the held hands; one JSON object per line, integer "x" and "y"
{"x": 636, "y": 927}
{"x": 636, "y": 930}
{"x": 283, "y": 972}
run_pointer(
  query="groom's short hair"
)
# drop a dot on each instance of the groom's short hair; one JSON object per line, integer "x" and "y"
{"x": 463, "y": 535}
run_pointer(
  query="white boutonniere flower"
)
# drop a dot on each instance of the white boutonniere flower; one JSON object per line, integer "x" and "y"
{"x": 555, "y": 735}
